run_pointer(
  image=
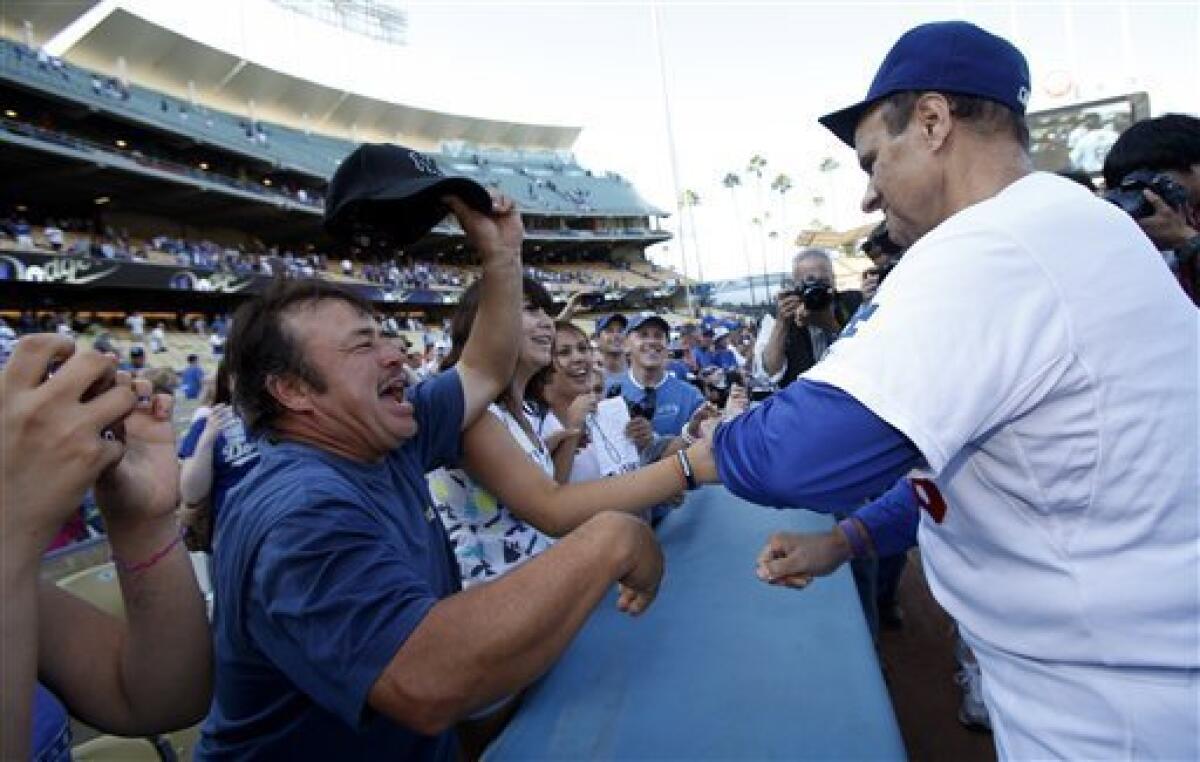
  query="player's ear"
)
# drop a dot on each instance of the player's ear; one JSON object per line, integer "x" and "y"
{"x": 934, "y": 119}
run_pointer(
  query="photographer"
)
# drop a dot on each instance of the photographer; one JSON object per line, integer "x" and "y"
{"x": 1160, "y": 160}
{"x": 884, "y": 255}
{"x": 807, "y": 323}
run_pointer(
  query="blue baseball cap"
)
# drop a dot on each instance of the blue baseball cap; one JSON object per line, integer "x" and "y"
{"x": 607, "y": 320}
{"x": 648, "y": 317}
{"x": 953, "y": 57}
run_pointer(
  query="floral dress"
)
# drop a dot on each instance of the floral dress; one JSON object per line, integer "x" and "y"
{"x": 488, "y": 538}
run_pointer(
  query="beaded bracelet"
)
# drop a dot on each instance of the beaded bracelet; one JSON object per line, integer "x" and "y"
{"x": 142, "y": 566}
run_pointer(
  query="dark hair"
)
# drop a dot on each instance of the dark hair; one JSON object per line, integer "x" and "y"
{"x": 222, "y": 389}
{"x": 468, "y": 307}
{"x": 1171, "y": 141}
{"x": 536, "y": 390}
{"x": 1078, "y": 176}
{"x": 261, "y": 347}
{"x": 985, "y": 116}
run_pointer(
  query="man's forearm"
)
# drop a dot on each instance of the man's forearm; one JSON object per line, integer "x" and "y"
{"x": 166, "y": 656}
{"x": 891, "y": 520}
{"x": 773, "y": 352}
{"x": 490, "y": 355}
{"x": 494, "y": 639}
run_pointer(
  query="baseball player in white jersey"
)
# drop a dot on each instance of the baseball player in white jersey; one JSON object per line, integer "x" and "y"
{"x": 1034, "y": 357}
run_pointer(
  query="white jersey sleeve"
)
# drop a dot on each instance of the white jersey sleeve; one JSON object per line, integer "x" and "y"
{"x": 963, "y": 335}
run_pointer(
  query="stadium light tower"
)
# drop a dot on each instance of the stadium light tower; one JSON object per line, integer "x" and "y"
{"x": 384, "y": 20}
{"x": 666, "y": 101}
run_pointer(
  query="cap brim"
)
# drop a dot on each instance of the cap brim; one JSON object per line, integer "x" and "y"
{"x": 639, "y": 323}
{"x": 406, "y": 210}
{"x": 843, "y": 123}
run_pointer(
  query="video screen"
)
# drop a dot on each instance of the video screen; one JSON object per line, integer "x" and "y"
{"x": 1078, "y": 137}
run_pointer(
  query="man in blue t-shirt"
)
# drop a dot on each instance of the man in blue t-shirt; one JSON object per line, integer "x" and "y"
{"x": 667, "y": 402}
{"x": 714, "y": 351}
{"x": 340, "y": 631}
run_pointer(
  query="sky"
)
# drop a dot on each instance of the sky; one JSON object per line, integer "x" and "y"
{"x": 737, "y": 79}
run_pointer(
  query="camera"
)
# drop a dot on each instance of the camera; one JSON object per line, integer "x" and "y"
{"x": 816, "y": 294}
{"x": 642, "y": 409}
{"x": 1129, "y": 198}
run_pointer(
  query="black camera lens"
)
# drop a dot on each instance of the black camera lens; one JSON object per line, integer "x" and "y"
{"x": 817, "y": 295}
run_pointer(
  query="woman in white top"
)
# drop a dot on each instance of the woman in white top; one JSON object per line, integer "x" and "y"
{"x": 504, "y": 506}
{"x": 565, "y": 414}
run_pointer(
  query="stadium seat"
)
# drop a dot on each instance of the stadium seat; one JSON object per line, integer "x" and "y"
{"x": 98, "y": 586}
{"x": 116, "y": 749}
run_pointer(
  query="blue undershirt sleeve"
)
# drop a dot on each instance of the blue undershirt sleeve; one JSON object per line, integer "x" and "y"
{"x": 892, "y": 519}
{"x": 811, "y": 446}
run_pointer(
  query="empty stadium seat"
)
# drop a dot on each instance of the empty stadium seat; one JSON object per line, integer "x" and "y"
{"x": 116, "y": 749}
{"x": 98, "y": 585}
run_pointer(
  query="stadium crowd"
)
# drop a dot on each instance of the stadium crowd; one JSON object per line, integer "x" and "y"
{"x": 402, "y": 539}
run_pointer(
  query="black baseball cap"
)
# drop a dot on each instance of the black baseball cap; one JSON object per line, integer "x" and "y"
{"x": 953, "y": 57}
{"x": 396, "y": 191}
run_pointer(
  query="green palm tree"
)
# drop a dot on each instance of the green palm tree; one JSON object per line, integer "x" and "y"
{"x": 782, "y": 184}
{"x": 689, "y": 200}
{"x": 733, "y": 181}
{"x": 755, "y": 166}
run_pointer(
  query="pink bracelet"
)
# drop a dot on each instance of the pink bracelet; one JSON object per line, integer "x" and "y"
{"x": 151, "y": 561}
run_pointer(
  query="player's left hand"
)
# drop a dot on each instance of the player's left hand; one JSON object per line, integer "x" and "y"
{"x": 793, "y": 560}
{"x": 705, "y": 412}
{"x": 1167, "y": 228}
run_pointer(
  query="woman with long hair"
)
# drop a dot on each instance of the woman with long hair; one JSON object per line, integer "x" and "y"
{"x": 565, "y": 403}
{"x": 504, "y": 506}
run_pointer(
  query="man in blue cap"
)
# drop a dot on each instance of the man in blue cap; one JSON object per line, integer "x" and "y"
{"x": 1032, "y": 366}
{"x": 610, "y": 341}
{"x": 654, "y": 395}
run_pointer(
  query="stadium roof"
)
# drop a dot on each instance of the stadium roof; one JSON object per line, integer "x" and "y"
{"x": 99, "y": 34}
{"x": 831, "y": 239}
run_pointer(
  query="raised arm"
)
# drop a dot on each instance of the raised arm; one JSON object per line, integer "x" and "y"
{"x": 497, "y": 462}
{"x": 490, "y": 355}
{"x": 53, "y": 449}
{"x": 490, "y": 641}
{"x": 152, "y": 672}
{"x": 196, "y": 471}
{"x": 774, "y": 359}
